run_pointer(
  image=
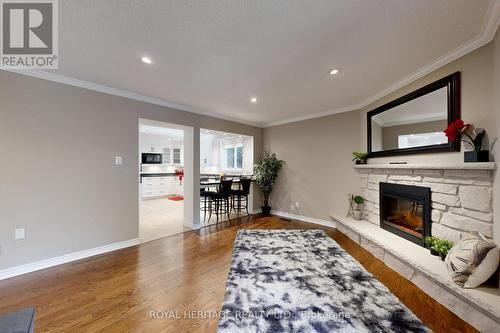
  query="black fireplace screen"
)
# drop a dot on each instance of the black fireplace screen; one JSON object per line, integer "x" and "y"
{"x": 405, "y": 211}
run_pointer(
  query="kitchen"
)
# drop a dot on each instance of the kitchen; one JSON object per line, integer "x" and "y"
{"x": 161, "y": 188}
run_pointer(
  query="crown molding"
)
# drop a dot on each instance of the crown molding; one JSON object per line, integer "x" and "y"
{"x": 488, "y": 30}
{"x": 44, "y": 75}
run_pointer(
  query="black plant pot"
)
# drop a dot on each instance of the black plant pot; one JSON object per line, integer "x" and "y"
{"x": 477, "y": 156}
{"x": 360, "y": 162}
{"x": 266, "y": 210}
{"x": 434, "y": 252}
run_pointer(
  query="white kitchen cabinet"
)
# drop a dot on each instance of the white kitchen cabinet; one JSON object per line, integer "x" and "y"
{"x": 177, "y": 156}
{"x": 155, "y": 186}
{"x": 160, "y": 186}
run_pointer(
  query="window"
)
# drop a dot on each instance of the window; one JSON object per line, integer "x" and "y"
{"x": 239, "y": 157}
{"x": 166, "y": 155}
{"x": 234, "y": 157}
{"x": 177, "y": 156}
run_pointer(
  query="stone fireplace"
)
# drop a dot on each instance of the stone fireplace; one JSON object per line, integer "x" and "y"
{"x": 460, "y": 200}
{"x": 461, "y": 196}
{"x": 405, "y": 210}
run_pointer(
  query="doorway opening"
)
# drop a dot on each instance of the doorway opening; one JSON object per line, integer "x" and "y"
{"x": 226, "y": 176}
{"x": 165, "y": 179}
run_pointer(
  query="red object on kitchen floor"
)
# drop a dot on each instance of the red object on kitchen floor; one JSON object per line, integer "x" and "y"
{"x": 177, "y": 198}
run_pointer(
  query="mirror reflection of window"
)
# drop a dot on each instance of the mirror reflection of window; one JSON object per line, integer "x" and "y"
{"x": 421, "y": 139}
{"x": 417, "y": 123}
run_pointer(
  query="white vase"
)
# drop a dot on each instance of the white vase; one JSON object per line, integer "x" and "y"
{"x": 358, "y": 214}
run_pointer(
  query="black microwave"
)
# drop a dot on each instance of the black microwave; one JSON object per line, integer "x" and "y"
{"x": 151, "y": 158}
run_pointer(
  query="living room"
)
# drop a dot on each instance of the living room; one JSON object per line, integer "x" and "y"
{"x": 273, "y": 98}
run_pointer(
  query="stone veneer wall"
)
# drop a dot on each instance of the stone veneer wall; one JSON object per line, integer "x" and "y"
{"x": 461, "y": 199}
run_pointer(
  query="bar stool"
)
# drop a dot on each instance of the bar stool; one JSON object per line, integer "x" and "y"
{"x": 205, "y": 202}
{"x": 240, "y": 196}
{"x": 220, "y": 199}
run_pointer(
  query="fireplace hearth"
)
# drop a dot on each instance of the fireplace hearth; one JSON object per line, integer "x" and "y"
{"x": 405, "y": 211}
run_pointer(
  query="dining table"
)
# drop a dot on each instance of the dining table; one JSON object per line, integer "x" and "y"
{"x": 214, "y": 181}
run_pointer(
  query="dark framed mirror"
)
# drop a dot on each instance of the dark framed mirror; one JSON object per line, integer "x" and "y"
{"x": 414, "y": 123}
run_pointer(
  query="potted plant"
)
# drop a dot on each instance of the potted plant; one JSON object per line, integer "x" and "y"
{"x": 429, "y": 243}
{"x": 442, "y": 247}
{"x": 359, "y": 157}
{"x": 458, "y": 130}
{"x": 358, "y": 207}
{"x": 266, "y": 173}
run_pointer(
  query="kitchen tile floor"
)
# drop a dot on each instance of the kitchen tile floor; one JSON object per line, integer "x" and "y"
{"x": 160, "y": 218}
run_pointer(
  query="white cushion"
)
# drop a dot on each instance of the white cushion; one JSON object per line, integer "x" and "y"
{"x": 485, "y": 269}
{"x": 475, "y": 258}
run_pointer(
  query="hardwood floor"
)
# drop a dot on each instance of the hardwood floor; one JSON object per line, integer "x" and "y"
{"x": 187, "y": 272}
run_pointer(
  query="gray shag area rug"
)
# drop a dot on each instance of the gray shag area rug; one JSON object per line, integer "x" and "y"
{"x": 303, "y": 281}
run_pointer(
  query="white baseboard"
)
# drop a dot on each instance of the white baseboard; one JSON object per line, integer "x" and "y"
{"x": 42, "y": 264}
{"x": 325, "y": 223}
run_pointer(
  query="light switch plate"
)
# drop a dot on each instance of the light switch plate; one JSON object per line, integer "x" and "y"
{"x": 19, "y": 234}
{"x": 118, "y": 160}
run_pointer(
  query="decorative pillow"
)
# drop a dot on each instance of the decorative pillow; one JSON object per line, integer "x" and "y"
{"x": 470, "y": 262}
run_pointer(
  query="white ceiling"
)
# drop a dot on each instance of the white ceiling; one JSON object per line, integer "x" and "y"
{"x": 211, "y": 57}
{"x": 169, "y": 133}
{"x": 206, "y": 133}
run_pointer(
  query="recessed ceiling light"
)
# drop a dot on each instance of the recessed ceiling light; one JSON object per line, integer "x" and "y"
{"x": 224, "y": 134}
{"x": 334, "y": 71}
{"x": 147, "y": 60}
{"x": 253, "y": 100}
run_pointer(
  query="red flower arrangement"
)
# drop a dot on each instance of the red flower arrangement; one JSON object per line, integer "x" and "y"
{"x": 456, "y": 129}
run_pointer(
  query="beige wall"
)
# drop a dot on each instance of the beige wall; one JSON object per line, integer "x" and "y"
{"x": 476, "y": 100}
{"x": 58, "y": 177}
{"x": 319, "y": 172}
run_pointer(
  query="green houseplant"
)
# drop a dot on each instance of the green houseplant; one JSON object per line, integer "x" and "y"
{"x": 359, "y": 157}
{"x": 442, "y": 247}
{"x": 265, "y": 173}
{"x": 358, "y": 207}
{"x": 429, "y": 243}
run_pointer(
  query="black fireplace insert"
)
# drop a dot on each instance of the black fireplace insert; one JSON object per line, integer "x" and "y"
{"x": 405, "y": 210}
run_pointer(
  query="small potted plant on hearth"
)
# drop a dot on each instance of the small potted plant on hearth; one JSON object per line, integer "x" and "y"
{"x": 458, "y": 130}
{"x": 266, "y": 173}
{"x": 429, "y": 243}
{"x": 442, "y": 247}
{"x": 358, "y": 207}
{"x": 359, "y": 157}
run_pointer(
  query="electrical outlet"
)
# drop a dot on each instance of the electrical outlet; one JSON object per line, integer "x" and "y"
{"x": 292, "y": 207}
{"x": 118, "y": 160}
{"x": 19, "y": 234}
{"x": 297, "y": 204}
